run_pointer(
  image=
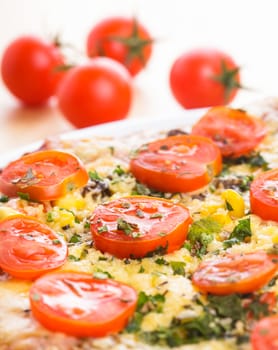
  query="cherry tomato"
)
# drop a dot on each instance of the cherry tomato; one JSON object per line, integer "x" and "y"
{"x": 203, "y": 78}
{"x": 264, "y": 195}
{"x": 43, "y": 175}
{"x": 139, "y": 226}
{"x": 181, "y": 163}
{"x": 233, "y": 130}
{"x": 30, "y": 69}
{"x": 77, "y": 304}
{"x": 29, "y": 248}
{"x": 264, "y": 334}
{"x": 96, "y": 93}
{"x": 235, "y": 273}
{"x": 122, "y": 39}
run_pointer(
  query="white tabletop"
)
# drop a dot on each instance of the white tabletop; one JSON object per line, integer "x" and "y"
{"x": 245, "y": 29}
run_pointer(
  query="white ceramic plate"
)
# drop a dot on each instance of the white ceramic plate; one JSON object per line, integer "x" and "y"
{"x": 114, "y": 129}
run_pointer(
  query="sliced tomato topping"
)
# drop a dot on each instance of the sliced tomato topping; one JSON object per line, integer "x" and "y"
{"x": 29, "y": 248}
{"x": 265, "y": 334}
{"x": 179, "y": 163}
{"x": 235, "y": 273}
{"x": 234, "y": 131}
{"x": 79, "y": 305}
{"x": 139, "y": 226}
{"x": 264, "y": 195}
{"x": 43, "y": 175}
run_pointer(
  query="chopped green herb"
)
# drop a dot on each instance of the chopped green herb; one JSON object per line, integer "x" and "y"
{"x": 73, "y": 258}
{"x": 23, "y": 195}
{"x": 156, "y": 216}
{"x": 56, "y": 241}
{"x": 99, "y": 274}
{"x": 141, "y": 270}
{"x": 127, "y": 227}
{"x": 3, "y": 198}
{"x": 160, "y": 250}
{"x": 119, "y": 170}
{"x": 76, "y": 238}
{"x": 200, "y": 234}
{"x": 229, "y": 206}
{"x": 49, "y": 217}
{"x": 87, "y": 224}
{"x": 140, "y": 213}
{"x": 102, "y": 229}
{"x": 178, "y": 267}
{"x": 240, "y": 233}
{"x": 126, "y": 205}
{"x": 94, "y": 176}
{"x": 161, "y": 261}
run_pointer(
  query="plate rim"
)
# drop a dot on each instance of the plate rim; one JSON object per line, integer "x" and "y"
{"x": 122, "y": 127}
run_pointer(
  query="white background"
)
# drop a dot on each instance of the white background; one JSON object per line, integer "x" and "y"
{"x": 245, "y": 29}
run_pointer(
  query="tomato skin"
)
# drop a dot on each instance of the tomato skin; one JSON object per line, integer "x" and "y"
{"x": 181, "y": 163}
{"x": 173, "y": 223}
{"x": 96, "y": 93}
{"x": 263, "y": 195}
{"x": 193, "y": 78}
{"x": 43, "y": 175}
{"x": 234, "y": 131}
{"x": 235, "y": 273}
{"x": 264, "y": 334}
{"x": 28, "y": 69}
{"x": 78, "y": 305}
{"x": 29, "y": 248}
{"x": 122, "y": 39}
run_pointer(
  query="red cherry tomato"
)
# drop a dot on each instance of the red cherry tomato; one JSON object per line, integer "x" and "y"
{"x": 180, "y": 163}
{"x": 77, "y": 304}
{"x": 233, "y": 130}
{"x": 139, "y": 226}
{"x": 264, "y": 195}
{"x": 203, "y": 78}
{"x": 43, "y": 175}
{"x": 264, "y": 335}
{"x": 122, "y": 39}
{"x": 29, "y": 248}
{"x": 97, "y": 93}
{"x": 30, "y": 69}
{"x": 235, "y": 273}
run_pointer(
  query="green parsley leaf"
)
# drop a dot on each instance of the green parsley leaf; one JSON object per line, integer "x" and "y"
{"x": 200, "y": 234}
{"x": 240, "y": 233}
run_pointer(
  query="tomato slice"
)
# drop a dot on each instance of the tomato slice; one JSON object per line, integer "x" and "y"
{"x": 79, "y": 305}
{"x": 29, "y": 248}
{"x": 43, "y": 175}
{"x": 234, "y": 131}
{"x": 264, "y": 195}
{"x": 139, "y": 226}
{"x": 264, "y": 334}
{"x": 181, "y": 163}
{"x": 235, "y": 273}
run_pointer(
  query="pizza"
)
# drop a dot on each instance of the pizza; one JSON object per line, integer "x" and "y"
{"x": 155, "y": 240}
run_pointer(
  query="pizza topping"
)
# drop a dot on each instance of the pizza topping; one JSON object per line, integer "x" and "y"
{"x": 264, "y": 334}
{"x": 235, "y": 132}
{"x": 264, "y": 195}
{"x": 43, "y": 175}
{"x": 220, "y": 317}
{"x": 235, "y": 273}
{"x": 200, "y": 234}
{"x": 29, "y": 248}
{"x": 180, "y": 163}
{"x": 74, "y": 303}
{"x": 161, "y": 226}
{"x": 241, "y": 233}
